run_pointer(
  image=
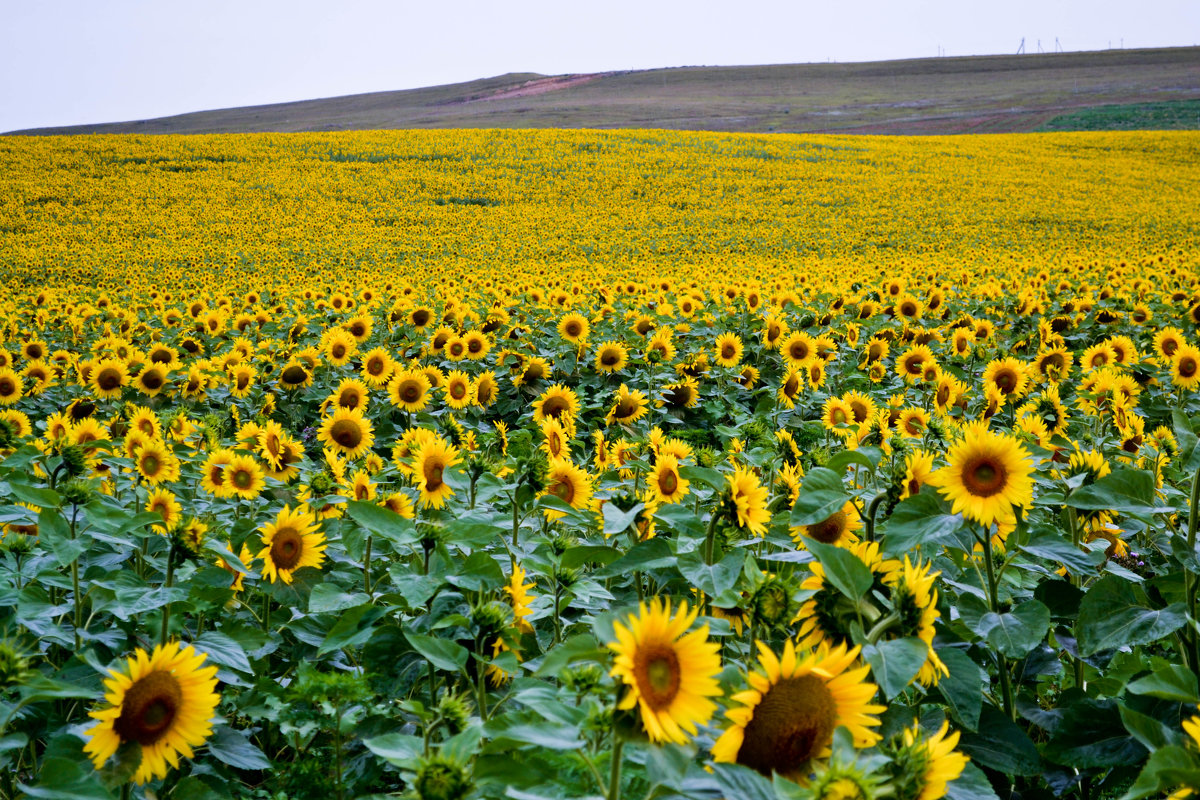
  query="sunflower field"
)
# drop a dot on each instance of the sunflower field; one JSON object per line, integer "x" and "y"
{"x": 578, "y": 464}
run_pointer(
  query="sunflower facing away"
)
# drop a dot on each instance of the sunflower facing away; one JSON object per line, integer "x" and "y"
{"x": 164, "y": 701}
{"x": 987, "y": 474}
{"x": 924, "y": 765}
{"x": 292, "y": 541}
{"x": 671, "y": 674}
{"x": 792, "y": 707}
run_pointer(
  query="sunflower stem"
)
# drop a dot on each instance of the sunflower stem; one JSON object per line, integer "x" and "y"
{"x": 871, "y": 510}
{"x": 166, "y": 616}
{"x": 614, "y": 775}
{"x": 1189, "y": 575}
{"x": 75, "y": 584}
{"x": 367, "y": 567}
{"x": 994, "y": 598}
{"x": 710, "y": 537}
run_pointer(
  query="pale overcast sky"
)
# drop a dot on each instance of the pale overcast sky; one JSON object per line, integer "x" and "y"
{"x": 87, "y": 61}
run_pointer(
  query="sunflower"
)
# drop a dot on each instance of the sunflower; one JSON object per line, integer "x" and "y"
{"x": 671, "y": 674}
{"x": 409, "y": 389}
{"x": 876, "y": 351}
{"x": 798, "y": 349}
{"x": 1185, "y": 367}
{"x": 519, "y": 597}
{"x": 351, "y": 393}
{"x": 665, "y": 485}
{"x": 348, "y": 432}
{"x": 792, "y": 707}
{"x": 430, "y": 463}
{"x": 163, "y": 503}
{"x": 339, "y": 347}
{"x": 1053, "y": 364}
{"x": 924, "y": 765}
{"x": 244, "y": 477}
{"x": 681, "y": 395}
{"x": 164, "y": 701}
{"x": 1097, "y": 356}
{"x": 12, "y": 386}
{"x": 1009, "y": 377}
{"x": 292, "y": 541}
{"x": 108, "y": 378}
{"x": 295, "y": 374}
{"x": 917, "y": 468}
{"x": 458, "y": 390}
{"x": 559, "y": 402}
{"x": 826, "y": 615}
{"x": 987, "y": 474}
{"x": 155, "y": 463}
{"x": 790, "y": 386}
{"x": 484, "y": 389}
{"x": 1167, "y": 341}
{"x": 568, "y": 483}
{"x": 728, "y": 350}
{"x": 912, "y": 363}
{"x": 749, "y": 501}
{"x": 531, "y": 370}
{"x": 377, "y": 366}
{"x": 773, "y": 331}
{"x": 914, "y": 601}
{"x": 574, "y": 328}
{"x": 912, "y": 423}
{"x": 555, "y": 441}
{"x": 837, "y": 415}
{"x": 611, "y": 357}
{"x": 838, "y": 528}
{"x": 629, "y": 406}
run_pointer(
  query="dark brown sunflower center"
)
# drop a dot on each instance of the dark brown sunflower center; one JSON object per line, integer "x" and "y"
{"x": 1187, "y": 367}
{"x": 1006, "y": 381}
{"x": 656, "y": 668}
{"x": 1169, "y": 346}
{"x": 984, "y": 476}
{"x": 242, "y": 479}
{"x": 243, "y": 380}
{"x": 286, "y": 548}
{"x": 668, "y": 482}
{"x": 150, "y": 464}
{"x": 791, "y": 386}
{"x": 338, "y": 350}
{"x": 914, "y": 365}
{"x": 798, "y": 351}
{"x": 420, "y": 318}
{"x": 859, "y": 411}
{"x": 728, "y": 350}
{"x": 108, "y": 379}
{"x": 829, "y": 530}
{"x": 677, "y": 396}
{"x": 474, "y": 345}
{"x": 609, "y": 358}
{"x": 410, "y": 391}
{"x": 563, "y": 489}
{"x": 346, "y": 433}
{"x": 458, "y": 390}
{"x": 149, "y": 708}
{"x": 484, "y": 392}
{"x": 349, "y": 399}
{"x": 791, "y": 725}
{"x": 7, "y": 387}
{"x": 433, "y": 475}
{"x": 375, "y": 366}
{"x": 554, "y": 407}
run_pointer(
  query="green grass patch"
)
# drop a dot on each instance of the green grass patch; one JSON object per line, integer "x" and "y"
{"x": 1177, "y": 115}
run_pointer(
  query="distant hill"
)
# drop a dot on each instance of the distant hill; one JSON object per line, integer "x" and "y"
{"x": 977, "y": 94}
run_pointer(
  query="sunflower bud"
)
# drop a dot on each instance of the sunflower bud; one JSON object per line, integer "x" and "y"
{"x": 14, "y": 666}
{"x": 772, "y": 602}
{"x": 322, "y": 484}
{"x": 442, "y": 779}
{"x": 18, "y": 544}
{"x": 583, "y": 678}
{"x": 491, "y": 618}
{"x": 455, "y": 710}
{"x": 74, "y": 460}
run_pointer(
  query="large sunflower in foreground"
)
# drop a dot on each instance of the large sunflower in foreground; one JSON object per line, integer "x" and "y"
{"x": 987, "y": 474}
{"x": 292, "y": 541}
{"x": 165, "y": 702}
{"x": 670, "y": 673}
{"x": 792, "y": 707}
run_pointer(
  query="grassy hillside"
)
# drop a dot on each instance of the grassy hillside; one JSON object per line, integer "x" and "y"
{"x": 922, "y": 96}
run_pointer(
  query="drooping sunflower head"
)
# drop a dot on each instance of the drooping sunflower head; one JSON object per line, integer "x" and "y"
{"x": 792, "y": 706}
{"x": 838, "y": 528}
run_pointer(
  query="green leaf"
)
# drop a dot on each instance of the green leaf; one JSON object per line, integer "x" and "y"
{"x": 1058, "y": 549}
{"x": 1151, "y": 733}
{"x": 1000, "y": 745}
{"x": 618, "y": 521}
{"x": 1131, "y": 491}
{"x": 396, "y": 748}
{"x": 972, "y": 784}
{"x": 64, "y": 779}
{"x": 924, "y": 520}
{"x": 382, "y": 522}
{"x": 652, "y": 554}
{"x": 821, "y": 495}
{"x": 54, "y": 530}
{"x": 895, "y": 663}
{"x": 352, "y": 629}
{"x": 1172, "y": 682}
{"x": 963, "y": 687}
{"x": 477, "y": 529}
{"x": 1091, "y": 734}
{"x": 38, "y": 687}
{"x": 222, "y": 650}
{"x": 442, "y": 653}
{"x": 1115, "y": 613}
{"x": 231, "y": 747}
{"x": 41, "y": 498}
{"x": 1185, "y": 435}
{"x": 589, "y": 554}
{"x": 1017, "y": 632}
{"x": 845, "y": 458}
{"x": 478, "y": 572}
{"x": 1167, "y": 769}
{"x": 843, "y": 569}
{"x": 709, "y": 477}
{"x": 192, "y": 788}
{"x": 742, "y": 782}
{"x": 712, "y": 579}
{"x": 581, "y": 647}
{"x": 552, "y": 736}
{"x": 331, "y": 597}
